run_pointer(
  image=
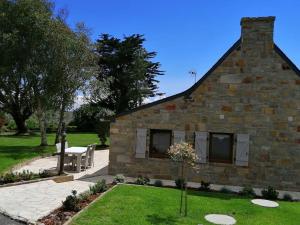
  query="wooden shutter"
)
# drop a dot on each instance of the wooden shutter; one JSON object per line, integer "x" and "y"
{"x": 178, "y": 136}
{"x": 140, "y": 148}
{"x": 201, "y": 146}
{"x": 242, "y": 150}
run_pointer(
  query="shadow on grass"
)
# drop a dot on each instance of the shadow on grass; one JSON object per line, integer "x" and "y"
{"x": 217, "y": 195}
{"x": 20, "y": 152}
{"x": 161, "y": 220}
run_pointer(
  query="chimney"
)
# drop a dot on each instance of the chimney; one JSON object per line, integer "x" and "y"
{"x": 257, "y": 35}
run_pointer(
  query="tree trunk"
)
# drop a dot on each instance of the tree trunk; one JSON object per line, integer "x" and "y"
{"x": 59, "y": 126}
{"x": 20, "y": 123}
{"x": 42, "y": 124}
{"x": 182, "y": 184}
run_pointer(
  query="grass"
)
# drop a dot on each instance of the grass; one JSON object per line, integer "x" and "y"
{"x": 15, "y": 149}
{"x": 144, "y": 205}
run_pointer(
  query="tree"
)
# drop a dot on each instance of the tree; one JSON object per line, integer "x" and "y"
{"x": 74, "y": 65}
{"x": 184, "y": 154}
{"x": 23, "y": 26}
{"x": 126, "y": 73}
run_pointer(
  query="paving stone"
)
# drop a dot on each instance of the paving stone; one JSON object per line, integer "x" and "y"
{"x": 265, "y": 203}
{"x": 220, "y": 219}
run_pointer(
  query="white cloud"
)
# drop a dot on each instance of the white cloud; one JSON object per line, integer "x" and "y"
{"x": 79, "y": 100}
{"x": 153, "y": 99}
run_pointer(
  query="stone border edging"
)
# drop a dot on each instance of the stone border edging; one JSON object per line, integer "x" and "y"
{"x": 68, "y": 222}
{"x": 67, "y": 177}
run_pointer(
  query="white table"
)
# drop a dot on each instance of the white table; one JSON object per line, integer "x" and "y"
{"x": 77, "y": 151}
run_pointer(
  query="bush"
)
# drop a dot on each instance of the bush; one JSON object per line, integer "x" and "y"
{"x": 225, "y": 190}
{"x": 72, "y": 202}
{"x": 270, "y": 193}
{"x": 103, "y": 131}
{"x": 142, "y": 180}
{"x": 16, "y": 177}
{"x": 84, "y": 196}
{"x": 44, "y": 174}
{"x": 179, "y": 182}
{"x": 205, "y": 186}
{"x": 119, "y": 178}
{"x": 158, "y": 183}
{"x": 99, "y": 187}
{"x": 247, "y": 191}
{"x": 287, "y": 197}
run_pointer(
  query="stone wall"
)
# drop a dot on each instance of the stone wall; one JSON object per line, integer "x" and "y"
{"x": 254, "y": 91}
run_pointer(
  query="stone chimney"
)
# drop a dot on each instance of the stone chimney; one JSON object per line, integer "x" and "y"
{"x": 257, "y": 35}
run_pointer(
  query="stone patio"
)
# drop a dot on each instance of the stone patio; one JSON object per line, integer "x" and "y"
{"x": 29, "y": 202}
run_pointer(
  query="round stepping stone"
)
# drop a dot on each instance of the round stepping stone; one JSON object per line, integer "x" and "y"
{"x": 220, "y": 219}
{"x": 265, "y": 203}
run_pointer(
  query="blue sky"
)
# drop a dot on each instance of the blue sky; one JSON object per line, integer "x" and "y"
{"x": 186, "y": 34}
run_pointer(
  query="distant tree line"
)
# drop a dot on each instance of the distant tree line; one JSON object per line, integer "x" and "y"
{"x": 44, "y": 64}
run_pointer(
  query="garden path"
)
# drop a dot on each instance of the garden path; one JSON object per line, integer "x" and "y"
{"x": 30, "y": 202}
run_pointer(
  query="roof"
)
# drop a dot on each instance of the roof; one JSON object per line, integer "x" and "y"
{"x": 187, "y": 92}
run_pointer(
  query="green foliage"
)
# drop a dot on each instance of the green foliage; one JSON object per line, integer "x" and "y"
{"x": 119, "y": 178}
{"x": 180, "y": 182}
{"x": 127, "y": 74}
{"x": 44, "y": 174}
{"x": 84, "y": 196}
{"x": 89, "y": 117}
{"x": 99, "y": 187}
{"x": 12, "y": 177}
{"x": 141, "y": 180}
{"x": 205, "y": 186}
{"x": 225, "y": 190}
{"x": 103, "y": 131}
{"x": 247, "y": 191}
{"x": 158, "y": 183}
{"x": 71, "y": 202}
{"x": 287, "y": 197}
{"x": 270, "y": 193}
{"x": 32, "y": 123}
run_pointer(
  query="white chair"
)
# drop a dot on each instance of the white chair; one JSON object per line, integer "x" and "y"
{"x": 67, "y": 159}
{"x": 85, "y": 159}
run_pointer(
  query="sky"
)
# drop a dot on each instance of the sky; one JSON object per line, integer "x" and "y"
{"x": 186, "y": 34}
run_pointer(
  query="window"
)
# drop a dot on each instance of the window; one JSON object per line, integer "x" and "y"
{"x": 160, "y": 141}
{"x": 221, "y": 147}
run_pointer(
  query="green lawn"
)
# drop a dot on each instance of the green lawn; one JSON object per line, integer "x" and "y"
{"x": 15, "y": 149}
{"x": 141, "y": 205}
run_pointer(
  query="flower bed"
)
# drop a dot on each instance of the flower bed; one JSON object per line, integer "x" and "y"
{"x": 25, "y": 175}
{"x": 75, "y": 203}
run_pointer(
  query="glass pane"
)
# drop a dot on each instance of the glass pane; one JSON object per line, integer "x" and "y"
{"x": 161, "y": 142}
{"x": 221, "y": 147}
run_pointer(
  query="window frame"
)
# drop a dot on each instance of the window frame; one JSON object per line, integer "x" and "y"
{"x": 231, "y": 135}
{"x": 153, "y": 131}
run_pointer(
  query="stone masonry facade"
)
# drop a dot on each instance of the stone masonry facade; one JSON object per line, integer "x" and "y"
{"x": 253, "y": 89}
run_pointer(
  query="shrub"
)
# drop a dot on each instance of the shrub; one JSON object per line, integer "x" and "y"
{"x": 205, "y": 186}
{"x": 99, "y": 187}
{"x": 119, "y": 178}
{"x": 225, "y": 190}
{"x": 179, "y": 182}
{"x": 142, "y": 180}
{"x": 44, "y": 174}
{"x": 247, "y": 191}
{"x": 72, "y": 202}
{"x": 84, "y": 196}
{"x": 287, "y": 197}
{"x": 270, "y": 193}
{"x": 25, "y": 175}
{"x": 8, "y": 178}
{"x": 158, "y": 183}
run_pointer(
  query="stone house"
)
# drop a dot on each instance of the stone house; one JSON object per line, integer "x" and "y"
{"x": 242, "y": 116}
